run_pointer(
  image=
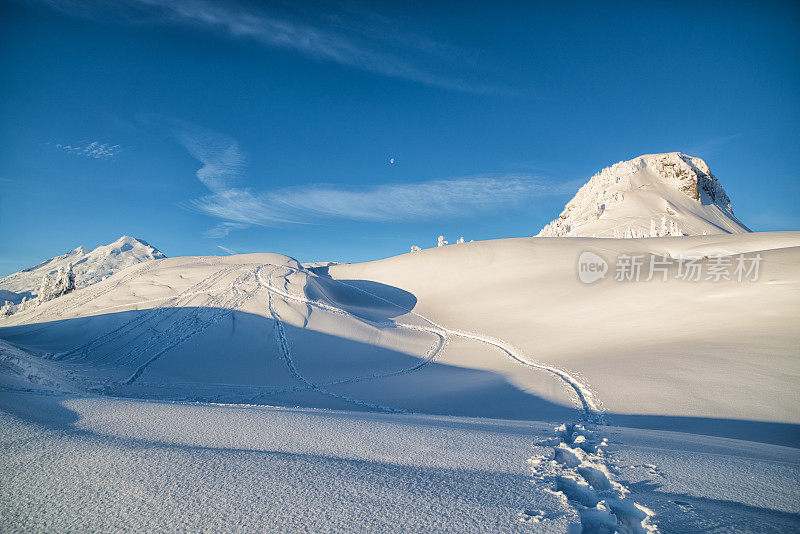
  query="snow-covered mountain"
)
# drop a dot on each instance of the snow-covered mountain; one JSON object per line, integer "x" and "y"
{"x": 89, "y": 266}
{"x": 649, "y": 196}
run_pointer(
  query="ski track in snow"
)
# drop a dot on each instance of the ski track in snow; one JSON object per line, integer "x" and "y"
{"x": 91, "y": 292}
{"x": 584, "y": 394}
{"x": 149, "y": 315}
{"x": 283, "y": 343}
{"x": 187, "y": 327}
{"x": 579, "y": 468}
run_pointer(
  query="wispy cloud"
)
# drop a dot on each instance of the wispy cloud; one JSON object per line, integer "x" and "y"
{"x": 223, "y": 229}
{"x": 451, "y": 198}
{"x": 352, "y": 37}
{"x": 222, "y": 164}
{"x": 93, "y": 149}
{"x": 227, "y": 250}
{"x": 220, "y": 155}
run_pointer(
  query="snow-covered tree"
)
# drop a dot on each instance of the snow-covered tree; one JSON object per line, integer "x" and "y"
{"x": 7, "y": 309}
{"x": 616, "y": 233}
{"x": 44, "y": 288}
{"x": 653, "y": 230}
{"x": 415, "y": 248}
{"x": 664, "y": 230}
{"x": 57, "y": 284}
{"x": 441, "y": 242}
{"x": 460, "y": 240}
{"x": 674, "y": 229}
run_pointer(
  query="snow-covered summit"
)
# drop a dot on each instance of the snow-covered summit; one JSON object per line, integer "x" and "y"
{"x": 652, "y": 195}
{"x": 89, "y": 266}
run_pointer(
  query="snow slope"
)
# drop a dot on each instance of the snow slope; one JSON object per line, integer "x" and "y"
{"x": 502, "y": 330}
{"x": 497, "y": 329}
{"x": 722, "y": 350}
{"x": 90, "y": 266}
{"x": 639, "y": 193}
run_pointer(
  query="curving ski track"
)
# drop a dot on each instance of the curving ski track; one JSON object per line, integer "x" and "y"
{"x": 579, "y": 468}
{"x": 283, "y": 343}
{"x": 584, "y": 394}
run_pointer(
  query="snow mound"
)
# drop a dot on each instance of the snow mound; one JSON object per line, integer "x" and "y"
{"x": 89, "y": 266}
{"x": 650, "y": 196}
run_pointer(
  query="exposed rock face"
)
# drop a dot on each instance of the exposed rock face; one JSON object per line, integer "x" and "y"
{"x": 692, "y": 175}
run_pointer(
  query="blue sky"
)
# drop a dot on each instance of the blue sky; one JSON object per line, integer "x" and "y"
{"x": 203, "y": 126}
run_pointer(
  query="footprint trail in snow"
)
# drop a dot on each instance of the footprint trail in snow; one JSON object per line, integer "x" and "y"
{"x": 577, "y": 469}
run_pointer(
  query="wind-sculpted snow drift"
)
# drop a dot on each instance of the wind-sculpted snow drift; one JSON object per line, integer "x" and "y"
{"x": 500, "y": 329}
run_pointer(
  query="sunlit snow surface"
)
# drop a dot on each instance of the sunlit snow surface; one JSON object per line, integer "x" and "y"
{"x": 474, "y": 387}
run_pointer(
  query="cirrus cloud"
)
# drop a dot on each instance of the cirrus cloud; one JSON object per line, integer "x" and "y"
{"x": 222, "y": 164}
{"x": 449, "y": 198}
{"x": 354, "y": 37}
{"x": 93, "y": 149}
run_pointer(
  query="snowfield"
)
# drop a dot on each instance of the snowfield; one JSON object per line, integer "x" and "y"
{"x": 473, "y": 387}
{"x": 86, "y": 463}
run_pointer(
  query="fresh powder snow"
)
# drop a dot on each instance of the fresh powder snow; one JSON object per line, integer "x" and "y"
{"x": 481, "y": 386}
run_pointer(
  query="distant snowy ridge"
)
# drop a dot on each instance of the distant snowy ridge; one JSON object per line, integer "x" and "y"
{"x": 89, "y": 266}
{"x": 650, "y": 196}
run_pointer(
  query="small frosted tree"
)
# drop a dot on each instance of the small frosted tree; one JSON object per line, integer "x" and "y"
{"x": 56, "y": 285}
{"x": 441, "y": 242}
{"x": 7, "y": 309}
{"x": 45, "y": 288}
{"x": 460, "y": 240}
{"x": 653, "y": 230}
{"x": 664, "y": 230}
{"x": 415, "y": 248}
{"x": 674, "y": 229}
